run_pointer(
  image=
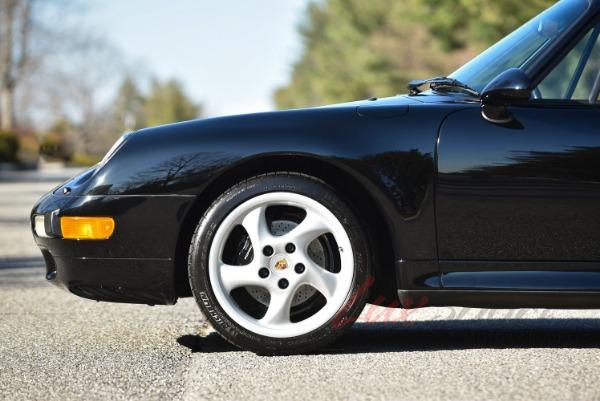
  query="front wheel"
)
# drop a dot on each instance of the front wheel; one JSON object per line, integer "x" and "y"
{"x": 279, "y": 264}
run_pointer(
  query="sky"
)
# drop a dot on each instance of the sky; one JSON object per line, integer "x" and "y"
{"x": 230, "y": 54}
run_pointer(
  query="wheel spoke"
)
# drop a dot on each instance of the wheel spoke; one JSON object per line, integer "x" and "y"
{"x": 280, "y": 304}
{"x": 255, "y": 224}
{"x": 234, "y": 277}
{"x": 308, "y": 230}
{"x": 322, "y": 280}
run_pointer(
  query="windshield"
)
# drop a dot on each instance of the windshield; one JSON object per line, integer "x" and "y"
{"x": 520, "y": 47}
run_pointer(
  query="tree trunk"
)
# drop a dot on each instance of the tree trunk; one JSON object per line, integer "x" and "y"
{"x": 15, "y": 27}
{"x": 6, "y": 105}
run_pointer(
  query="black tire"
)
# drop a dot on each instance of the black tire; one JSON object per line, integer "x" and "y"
{"x": 199, "y": 256}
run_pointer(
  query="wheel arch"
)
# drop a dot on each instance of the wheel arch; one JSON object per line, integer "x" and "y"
{"x": 357, "y": 192}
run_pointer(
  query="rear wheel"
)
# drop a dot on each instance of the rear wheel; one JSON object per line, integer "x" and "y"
{"x": 279, "y": 264}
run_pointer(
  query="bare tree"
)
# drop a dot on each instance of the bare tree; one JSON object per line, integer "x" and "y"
{"x": 15, "y": 32}
{"x": 81, "y": 88}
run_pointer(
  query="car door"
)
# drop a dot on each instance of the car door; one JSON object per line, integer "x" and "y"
{"x": 518, "y": 204}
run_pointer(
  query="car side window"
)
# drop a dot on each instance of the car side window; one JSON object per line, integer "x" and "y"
{"x": 576, "y": 77}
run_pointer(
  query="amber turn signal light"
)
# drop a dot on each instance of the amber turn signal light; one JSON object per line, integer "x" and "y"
{"x": 87, "y": 228}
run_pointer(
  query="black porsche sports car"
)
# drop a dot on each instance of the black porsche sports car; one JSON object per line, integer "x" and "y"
{"x": 480, "y": 189}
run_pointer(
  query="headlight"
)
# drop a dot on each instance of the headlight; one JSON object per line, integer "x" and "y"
{"x": 39, "y": 226}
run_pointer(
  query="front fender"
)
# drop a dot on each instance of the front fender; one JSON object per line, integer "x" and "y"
{"x": 393, "y": 158}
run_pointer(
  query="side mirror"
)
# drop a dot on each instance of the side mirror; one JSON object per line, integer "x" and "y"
{"x": 510, "y": 87}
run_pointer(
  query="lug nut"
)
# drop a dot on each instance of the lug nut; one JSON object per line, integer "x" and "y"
{"x": 267, "y": 251}
{"x": 290, "y": 248}
{"x": 299, "y": 268}
{"x": 263, "y": 272}
{"x": 283, "y": 284}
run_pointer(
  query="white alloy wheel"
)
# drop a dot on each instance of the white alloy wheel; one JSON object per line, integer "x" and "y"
{"x": 283, "y": 270}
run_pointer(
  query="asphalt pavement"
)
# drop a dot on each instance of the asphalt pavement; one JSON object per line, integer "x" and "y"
{"x": 55, "y": 346}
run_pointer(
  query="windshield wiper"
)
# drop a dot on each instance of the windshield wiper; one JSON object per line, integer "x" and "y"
{"x": 440, "y": 84}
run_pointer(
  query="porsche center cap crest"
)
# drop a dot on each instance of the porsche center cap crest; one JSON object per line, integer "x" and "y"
{"x": 281, "y": 264}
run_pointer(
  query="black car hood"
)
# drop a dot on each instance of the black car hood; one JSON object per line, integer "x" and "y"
{"x": 220, "y": 141}
{"x": 394, "y": 106}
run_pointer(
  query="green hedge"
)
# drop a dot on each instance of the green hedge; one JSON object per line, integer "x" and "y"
{"x": 9, "y": 147}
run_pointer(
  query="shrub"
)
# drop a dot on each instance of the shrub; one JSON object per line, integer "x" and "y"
{"x": 84, "y": 160}
{"x": 55, "y": 147}
{"x": 9, "y": 146}
{"x": 29, "y": 147}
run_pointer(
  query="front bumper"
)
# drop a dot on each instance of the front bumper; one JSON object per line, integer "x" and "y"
{"x": 135, "y": 265}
